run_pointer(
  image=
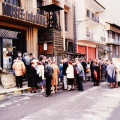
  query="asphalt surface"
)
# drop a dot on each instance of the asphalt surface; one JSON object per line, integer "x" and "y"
{"x": 94, "y": 103}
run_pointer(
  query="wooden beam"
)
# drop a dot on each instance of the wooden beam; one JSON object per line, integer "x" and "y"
{"x": 13, "y": 26}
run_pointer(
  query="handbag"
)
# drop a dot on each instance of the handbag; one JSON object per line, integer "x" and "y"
{"x": 95, "y": 74}
{"x": 87, "y": 70}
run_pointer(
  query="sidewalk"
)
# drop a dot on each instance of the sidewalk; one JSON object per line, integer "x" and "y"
{"x": 15, "y": 90}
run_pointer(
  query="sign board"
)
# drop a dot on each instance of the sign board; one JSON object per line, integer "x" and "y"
{"x": 21, "y": 14}
{"x": 45, "y": 46}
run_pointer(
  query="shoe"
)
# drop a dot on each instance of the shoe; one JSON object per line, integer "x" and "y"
{"x": 69, "y": 90}
{"x": 73, "y": 89}
{"x": 30, "y": 91}
{"x": 110, "y": 87}
{"x": 34, "y": 91}
{"x": 53, "y": 92}
{"x": 81, "y": 90}
{"x": 56, "y": 91}
{"x": 116, "y": 87}
{"x": 46, "y": 95}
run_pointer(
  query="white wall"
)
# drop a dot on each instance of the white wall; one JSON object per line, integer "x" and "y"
{"x": 80, "y": 16}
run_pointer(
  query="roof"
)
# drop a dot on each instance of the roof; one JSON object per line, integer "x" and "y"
{"x": 114, "y": 25}
{"x": 51, "y": 7}
{"x": 99, "y": 4}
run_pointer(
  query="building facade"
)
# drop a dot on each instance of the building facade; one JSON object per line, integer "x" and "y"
{"x": 112, "y": 41}
{"x": 90, "y": 27}
{"x": 23, "y": 21}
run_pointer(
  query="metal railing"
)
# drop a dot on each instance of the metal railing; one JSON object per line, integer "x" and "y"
{"x": 114, "y": 41}
{"x": 92, "y": 15}
{"x": 89, "y": 36}
{"x": 102, "y": 40}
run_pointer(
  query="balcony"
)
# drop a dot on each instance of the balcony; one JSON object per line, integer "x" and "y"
{"x": 113, "y": 41}
{"x": 108, "y": 49}
{"x": 92, "y": 18}
{"x": 94, "y": 39}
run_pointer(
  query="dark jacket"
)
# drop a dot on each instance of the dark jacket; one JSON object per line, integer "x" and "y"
{"x": 32, "y": 82}
{"x": 48, "y": 70}
{"x": 65, "y": 65}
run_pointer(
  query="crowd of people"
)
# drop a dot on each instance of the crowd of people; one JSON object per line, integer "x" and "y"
{"x": 45, "y": 73}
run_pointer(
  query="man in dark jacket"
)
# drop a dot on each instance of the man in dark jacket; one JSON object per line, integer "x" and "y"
{"x": 65, "y": 65}
{"x": 48, "y": 75}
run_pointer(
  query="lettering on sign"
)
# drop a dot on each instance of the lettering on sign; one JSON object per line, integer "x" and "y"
{"x": 16, "y": 12}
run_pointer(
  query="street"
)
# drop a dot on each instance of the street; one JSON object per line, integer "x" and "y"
{"x": 94, "y": 103}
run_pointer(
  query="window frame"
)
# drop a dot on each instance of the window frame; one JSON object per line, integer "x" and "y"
{"x": 65, "y": 15}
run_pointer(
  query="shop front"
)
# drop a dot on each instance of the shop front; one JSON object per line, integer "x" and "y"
{"x": 18, "y": 32}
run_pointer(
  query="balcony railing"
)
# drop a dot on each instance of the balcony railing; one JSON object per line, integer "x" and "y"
{"x": 110, "y": 40}
{"x": 95, "y": 38}
{"x": 103, "y": 40}
{"x": 92, "y": 15}
{"x": 89, "y": 36}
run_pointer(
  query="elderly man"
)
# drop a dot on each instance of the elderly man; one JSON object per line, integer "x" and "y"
{"x": 48, "y": 75}
{"x": 80, "y": 74}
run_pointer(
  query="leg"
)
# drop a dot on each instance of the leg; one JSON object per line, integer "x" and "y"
{"x": 80, "y": 84}
{"x": 65, "y": 82}
{"x": 17, "y": 82}
{"x": 53, "y": 89}
{"x": 20, "y": 81}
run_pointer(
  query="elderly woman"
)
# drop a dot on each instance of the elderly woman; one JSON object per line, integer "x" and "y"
{"x": 111, "y": 74}
{"x": 117, "y": 67}
{"x": 70, "y": 75}
{"x": 54, "y": 80}
{"x": 96, "y": 73}
{"x": 40, "y": 72}
{"x": 32, "y": 77}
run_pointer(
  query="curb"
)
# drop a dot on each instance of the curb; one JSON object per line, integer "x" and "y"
{"x": 13, "y": 93}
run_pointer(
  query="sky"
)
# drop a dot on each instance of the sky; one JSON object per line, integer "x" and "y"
{"x": 112, "y": 10}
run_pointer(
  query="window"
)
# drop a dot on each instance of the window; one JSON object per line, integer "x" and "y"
{"x": 13, "y": 2}
{"x": 116, "y": 36}
{"x": 111, "y": 49}
{"x": 88, "y": 13}
{"x": 110, "y": 34}
{"x": 65, "y": 21}
{"x": 39, "y": 4}
{"x": 117, "y": 50}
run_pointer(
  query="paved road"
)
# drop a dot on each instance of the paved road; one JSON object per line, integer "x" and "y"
{"x": 95, "y": 103}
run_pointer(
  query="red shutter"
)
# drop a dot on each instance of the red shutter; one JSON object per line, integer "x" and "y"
{"x": 82, "y": 49}
{"x": 91, "y": 53}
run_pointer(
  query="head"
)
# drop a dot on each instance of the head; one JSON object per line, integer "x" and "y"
{"x": 76, "y": 60}
{"x": 65, "y": 60}
{"x": 32, "y": 64}
{"x": 70, "y": 62}
{"x": 31, "y": 55}
{"x": 25, "y": 54}
{"x": 44, "y": 58}
{"x": 46, "y": 62}
{"x": 39, "y": 63}
{"x": 61, "y": 61}
{"x": 49, "y": 60}
{"x": 20, "y": 54}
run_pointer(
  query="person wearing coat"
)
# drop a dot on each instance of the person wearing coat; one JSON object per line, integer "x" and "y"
{"x": 40, "y": 72}
{"x": 111, "y": 74}
{"x": 32, "y": 77}
{"x": 117, "y": 66}
{"x": 96, "y": 73}
{"x": 19, "y": 68}
{"x": 48, "y": 74}
{"x": 54, "y": 81}
{"x": 80, "y": 74}
{"x": 70, "y": 75}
